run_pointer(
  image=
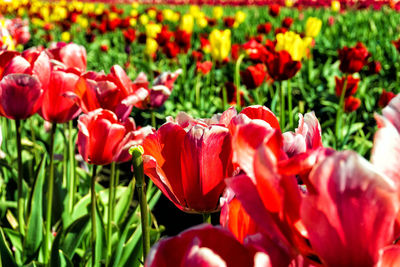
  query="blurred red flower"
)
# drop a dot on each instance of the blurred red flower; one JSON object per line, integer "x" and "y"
{"x": 351, "y": 104}
{"x": 351, "y": 87}
{"x": 204, "y": 67}
{"x": 385, "y": 98}
{"x": 254, "y": 76}
{"x": 274, "y": 10}
{"x": 71, "y": 55}
{"x": 183, "y": 39}
{"x": 171, "y": 49}
{"x": 281, "y": 66}
{"x": 164, "y": 36}
{"x": 287, "y": 22}
{"x": 229, "y": 21}
{"x": 374, "y": 67}
{"x": 353, "y": 59}
{"x": 129, "y": 35}
{"x": 264, "y": 28}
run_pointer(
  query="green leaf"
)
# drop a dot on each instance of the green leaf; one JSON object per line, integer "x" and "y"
{"x": 34, "y": 235}
{"x": 5, "y": 252}
{"x": 16, "y": 242}
{"x": 100, "y": 237}
{"x": 74, "y": 234}
{"x": 122, "y": 206}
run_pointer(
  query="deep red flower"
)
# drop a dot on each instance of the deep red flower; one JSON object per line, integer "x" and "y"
{"x": 235, "y": 50}
{"x": 351, "y": 87}
{"x": 281, "y": 66}
{"x": 183, "y": 39}
{"x": 99, "y": 136}
{"x": 171, "y": 49}
{"x": 385, "y": 98}
{"x": 189, "y": 164}
{"x": 351, "y": 104}
{"x": 197, "y": 55}
{"x": 164, "y": 36}
{"x": 104, "y": 47}
{"x": 202, "y": 245}
{"x": 374, "y": 67}
{"x": 287, "y": 22}
{"x": 129, "y": 35}
{"x": 56, "y": 106}
{"x": 353, "y": 59}
{"x": 205, "y": 43}
{"x": 211, "y": 21}
{"x": 142, "y": 38}
{"x": 396, "y": 44}
{"x": 280, "y": 30}
{"x": 204, "y": 67}
{"x": 229, "y": 21}
{"x": 231, "y": 94}
{"x": 159, "y": 17}
{"x": 274, "y": 10}
{"x": 264, "y": 28}
{"x": 255, "y": 50}
{"x": 254, "y": 76}
{"x": 71, "y": 55}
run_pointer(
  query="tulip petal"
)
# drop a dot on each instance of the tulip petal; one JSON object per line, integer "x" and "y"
{"x": 262, "y": 113}
{"x": 389, "y": 256}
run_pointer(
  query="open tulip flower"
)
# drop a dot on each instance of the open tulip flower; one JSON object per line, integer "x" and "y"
{"x": 71, "y": 55}
{"x": 353, "y": 59}
{"x": 281, "y": 66}
{"x": 189, "y": 161}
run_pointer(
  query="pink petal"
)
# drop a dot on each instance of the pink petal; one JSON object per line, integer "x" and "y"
{"x": 262, "y": 113}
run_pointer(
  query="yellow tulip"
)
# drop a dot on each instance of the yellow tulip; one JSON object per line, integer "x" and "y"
{"x": 113, "y": 15}
{"x": 65, "y": 36}
{"x": 132, "y": 22}
{"x": 202, "y": 22}
{"x": 335, "y": 6}
{"x": 151, "y": 47}
{"x": 187, "y": 22}
{"x": 194, "y": 10}
{"x": 144, "y": 19}
{"x": 220, "y": 42}
{"x": 152, "y": 13}
{"x": 293, "y": 44}
{"x": 218, "y": 12}
{"x": 135, "y": 5}
{"x": 83, "y": 21}
{"x": 240, "y": 16}
{"x": 134, "y": 13}
{"x": 313, "y": 27}
{"x": 168, "y": 14}
{"x": 152, "y": 30}
{"x": 289, "y": 3}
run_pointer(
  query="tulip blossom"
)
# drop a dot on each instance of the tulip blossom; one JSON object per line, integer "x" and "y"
{"x": 281, "y": 66}
{"x": 274, "y": 10}
{"x": 189, "y": 164}
{"x": 292, "y": 43}
{"x": 56, "y": 106}
{"x": 71, "y": 55}
{"x": 351, "y": 85}
{"x": 220, "y": 42}
{"x": 164, "y": 36}
{"x": 374, "y": 67}
{"x": 203, "y": 67}
{"x": 151, "y": 47}
{"x": 264, "y": 28}
{"x": 335, "y": 6}
{"x": 187, "y": 23}
{"x": 313, "y": 27}
{"x": 287, "y": 22}
{"x": 203, "y": 245}
{"x": 351, "y": 104}
{"x": 385, "y": 98}
{"x": 353, "y": 59}
{"x": 99, "y": 136}
{"x": 396, "y": 44}
{"x": 254, "y": 76}
{"x": 183, "y": 39}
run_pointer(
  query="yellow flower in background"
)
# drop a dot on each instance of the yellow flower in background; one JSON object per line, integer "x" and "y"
{"x": 65, "y": 37}
{"x": 37, "y": 22}
{"x": 135, "y": 5}
{"x": 335, "y": 6}
{"x": 82, "y": 21}
{"x": 240, "y": 16}
{"x": 151, "y": 47}
{"x": 293, "y": 44}
{"x": 313, "y": 27}
{"x": 168, "y": 14}
{"x": 133, "y": 22}
{"x": 112, "y": 15}
{"x": 21, "y": 11}
{"x": 220, "y": 42}
{"x": 152, "y": 30}
{"x": 289, "y": 3}
{"x": 187, "y": 23}
{"x": 134, "y": 13}
{"x": 217, "y": 12}
{"x": 176, "y": 17}
{"x": 194, "y": 10}
{"x": 202, "y": 21}
{"x": 152, "y": 13}
{"x": 144, "y": 19}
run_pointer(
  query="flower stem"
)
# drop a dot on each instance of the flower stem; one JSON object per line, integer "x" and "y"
{"x": 93, "y": 214}
{"x": 237, "y": 81}
{"x": 290, "y": 104}
{"x": 339, "y": 114}
{"x": 21, "y": 200}
{"x": 137, "y": 161}
{"x": 50, "y": 191}
{"x": 197, "y": 90}
{"x": 72, "y": 176}
{"x": 207, "y": 217}
{"x": 282, "y": 110}
{"x": 153, "y": 119}
{"x": 111, "y": 200}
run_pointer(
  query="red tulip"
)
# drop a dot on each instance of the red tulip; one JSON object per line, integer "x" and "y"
{"x": 235, "y": 50}
{"x": 274, "y": 10}
{"x": 351, "y": 104}
{"x": 72, "y": 55}
{"x": 396, "y": 44}
{"x": 389, "y": 256}
{"x": 229, "y": 21}
{"x": 203, "y": 245}
{"x": 20, "y": 96}
{"x": 256, "y": 51}
{"x": 171, "y": 49}
{"x": 353, "y": 59}
{"x": 374, "y": 67}
{"x": 197, "y": 55}
{"x": 129, "y": 35}
{"x": 281, "y": 66}
{"x": 164, "y": 36}
{"x": 231, "y": 91}
{"x": 264, "y": 28}
{"x": 385, "y": 98}
{"x": 287, "y": 22}
{"x": 104, "y": 47}
{"x": 99, "y": 136}
{"x": 254, "y": 76}
{"x": 183, "y": 39}
{"x": 351, "y": 87}
{"x": 204, "y": 67}
{"x": 56, "y": 106}
{"x": 189, "y": 164}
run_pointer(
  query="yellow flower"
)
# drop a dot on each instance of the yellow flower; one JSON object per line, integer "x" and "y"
{"x": 152, "y": 13}
{"x": 83, "y": 21}
{"x": 194, "y": 10}
{"x": 151, "y": 47}
{"x": 202, "y": 22}
{"x": 293, "y": 44}
{"x": 335, "y": 6}
{"x": 289, "y": 3}
{"x": 313, "y": 27}
{"x": 134, "y": 13}
{"x": 187, "y": 22}
{"x": 132, "y": 22}
{"x": 144, "y": 19}
{"x": 240, "y": 16}
{"x": 152, "y": 30}
{"x": 135, "y": 5}
{"x": 218, "y": 12}
{"x": 65, "y": 36}
{"x": 220, "y": 42}
{"x": 112, "y": 16}
{"x": 168, "y": 14}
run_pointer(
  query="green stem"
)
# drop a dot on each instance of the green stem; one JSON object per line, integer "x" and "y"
{"x": 153, "y": 119}
{"x": 290, "y": 104}
{"x": 339, "y": 114}
{"x": 21, "y": 200}
{"x": 197, "y": 90}
{"x": 72, "y": 177}
{"x": 282, "y": 110}
{"x": 207, "y": 217}
{"x": 237, "y": 80}
{"x": 224, "y": 98}
{"x": 93, "y": 214}
{"x": 137, "y": 160}
{"x": 111, "y": 200}
{"x": 50, "y": 190}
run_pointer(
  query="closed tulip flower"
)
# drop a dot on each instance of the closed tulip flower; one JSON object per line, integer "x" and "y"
{"x": 187, "y": 23}
{"x": 71, "y": 55}
{"x": 220, "y": 42}
{"x": 254, "y": 76}
{"x": 99, "y": 136}
{"x": 353, "y": 59}
{"x": 281, "y": 66}
{"x": 217, "y": 12}
{"x": 151, "y": 47}
{"x": 335, "y": 6}
{"x": 351, "y": 86}
{"x": 313, "y": 27}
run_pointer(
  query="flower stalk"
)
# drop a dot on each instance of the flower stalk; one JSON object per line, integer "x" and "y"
{"x": 21, "y": 201}
{"x": 111, "y": 204}
{"x": 339, "y": 114}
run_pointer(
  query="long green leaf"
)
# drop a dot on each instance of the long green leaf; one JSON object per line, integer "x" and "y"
{"x": 74, "y": 234}
{"x": 5, "y": 252}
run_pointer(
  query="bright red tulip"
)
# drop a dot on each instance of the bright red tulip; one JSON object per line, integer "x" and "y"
{"x": 281, "y": 66}
{"x": 287, "y": 22}
{"x": 56, "y": 106}
{"x": 264, "y": 28}
{"x": 351, "y": 87}
{"x": 254, "y": 76}
{"x": 203, "y": 245}
{"x": 389, "y": 256}
{"x": 20, "y": 96}
{"x": 183, "y": 39}
{"x": 189, "y": 164}
{"x": 71, "y": 55}
{"x": 171, "y": 49}
{"x": 99, "y": 136}
{"x": 353, "y": 59}
{"x": 129, "y": 35}
{"x": 274, "y": 10}
{"x": 204, "y": 67}
{"x": 396, "y": 44}
{"x": 164, "y": 36}
{"x": 351, "y": 104}
{"x": 385, "y": 98}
